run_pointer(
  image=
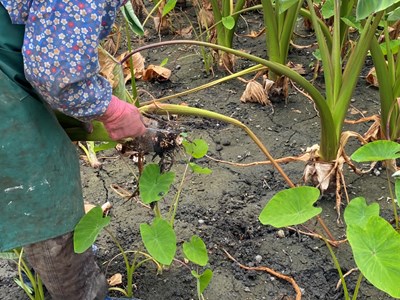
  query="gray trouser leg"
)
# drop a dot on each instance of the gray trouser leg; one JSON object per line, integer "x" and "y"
{"x": 66, "y": 275}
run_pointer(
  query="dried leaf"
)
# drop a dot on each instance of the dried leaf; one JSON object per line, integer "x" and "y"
{"x": 185, "y": 32}
{"x": 138, "y": 65}
{"x": 255, "y": 92}
{"x": 371, "y": 78}
{"x": 88, "y": 207}
{"x": 115, "y": 279}
{"x": 205, "y": 18}
{"x": 254, "y": 34}
{"x": 107, "y": 65}
{"x": 156, "y": 73}
{"x": 297, "y": 67}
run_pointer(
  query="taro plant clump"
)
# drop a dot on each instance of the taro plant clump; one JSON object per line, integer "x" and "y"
{"x": 373, "y": 240}
{"x": 159, "y": 237}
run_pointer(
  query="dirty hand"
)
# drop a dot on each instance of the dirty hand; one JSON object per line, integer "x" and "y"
{"x": 122, "y": 120}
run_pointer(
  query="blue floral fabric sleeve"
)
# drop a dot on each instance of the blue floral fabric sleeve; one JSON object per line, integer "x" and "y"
{"x": 60, "y": 51}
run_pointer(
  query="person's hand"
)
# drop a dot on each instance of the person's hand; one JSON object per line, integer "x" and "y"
{"x": 122, "y": 120}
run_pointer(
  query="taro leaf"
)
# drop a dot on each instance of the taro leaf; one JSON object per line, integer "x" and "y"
{"x": 358, "y": 212}
{"x": 133, "y": 21}
{"x": 88, "y": 228}
{"x": 199, "y": 170}
{"x": 328, "y": 9}
{"x": 394, "y": 46}
{"x": 291, "y": 207}
{"x": 203, "y": 279}
{"x": 352, "y": 22}
{"x": 198, "y": 148}
{"x": 196, "y": 251}
{"x": 378, "y": 150}
{"x": 368, "y": 7}
{"x": 376, "y": 253}
{"x": 397, "y": 189}
{"x": 284, "y": 5}
{"x": 153, "y": 185}
{"x": 159, "y": 240}
{"x": 394, "y": 15}
{"x": 104, "y": 146}
{"x": 170, "y": 5}
{"x": 228, "y": 22}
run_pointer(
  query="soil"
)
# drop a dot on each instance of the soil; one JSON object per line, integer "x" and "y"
{"x": 223, "y": 208}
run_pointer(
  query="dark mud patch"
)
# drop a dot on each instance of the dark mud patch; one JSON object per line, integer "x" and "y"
{"x": 223, "y": 208}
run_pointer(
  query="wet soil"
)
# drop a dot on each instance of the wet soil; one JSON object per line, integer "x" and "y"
{"x": 223, "y": 207}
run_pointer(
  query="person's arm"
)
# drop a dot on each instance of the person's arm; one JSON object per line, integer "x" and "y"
{"x": 61, "y": 61}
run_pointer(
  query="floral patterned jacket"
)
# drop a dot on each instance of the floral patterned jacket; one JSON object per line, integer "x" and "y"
{"x": 60, "y": 51}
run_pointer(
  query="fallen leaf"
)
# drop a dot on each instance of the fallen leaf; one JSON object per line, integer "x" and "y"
{"x": 115, "y": 279}
{"x": 156, "y": 73}
{"x": 205, "y": 18}
{"x": 371, "y": 78}
{"x": 297, "y": 67}
{"x": 255, "y": 92}
{"x": 185, "y": 32}
{"x": 138, "y": 65}
{"x": 254, "y": 34}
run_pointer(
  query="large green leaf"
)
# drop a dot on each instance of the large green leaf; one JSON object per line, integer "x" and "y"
{"x": 133, "y": 21}
{"x": 376, "y": 253}
{"x": 159, "y": 240}
{"x": 291, "y": 207}
{"x": 368, "y": 7}
{"x": 203, "y": 279}
{"x": 196, "y": 251}
{"x": 394, "y": 15}
{"x": 376, "y": 151}
{"x": 198, "y": 148}
{"x": 153, "y": 185}
{"x": 358, "y": 212}
{"x": 88, "y": 228}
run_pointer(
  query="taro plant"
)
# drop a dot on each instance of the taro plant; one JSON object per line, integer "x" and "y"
{"x": 159, "y": 237}
{"x": 387, "y": 69}
{"x": 27, "y": 279}
{"x": 280, "y": 18}
{"x": 374, "y": 242}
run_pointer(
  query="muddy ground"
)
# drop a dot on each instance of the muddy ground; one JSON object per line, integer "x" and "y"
{"x": 223, "y": 208}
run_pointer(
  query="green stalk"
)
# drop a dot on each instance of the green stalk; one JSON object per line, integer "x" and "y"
{"x": 360, "y": 277}
{"x": 385, "y": 87}
{"x": 207, "y": 85}
{"x": 336, "y": 54}
{"x": 129, "y": 288}
{"x": 132, "y": 68}
{"x": 174, "y": 207}
{"x": 339, "y": 269}
{"x": 271, "y": 26}
{"x": 288, "y": 28}
{"x": 161, "y": 108}
{"x": 235, "y": 14}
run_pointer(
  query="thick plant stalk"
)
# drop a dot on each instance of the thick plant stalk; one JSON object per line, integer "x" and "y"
{"x": 160, "y": 108}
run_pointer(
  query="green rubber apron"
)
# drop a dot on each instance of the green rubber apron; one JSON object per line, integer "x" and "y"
{"x": 40, "y": 187}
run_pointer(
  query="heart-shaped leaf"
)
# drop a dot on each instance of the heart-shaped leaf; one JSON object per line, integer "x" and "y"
{"x": 203, "y": 279}
{"x": 358, "y": 212}
{"x": 196, "y": 251}
{"x": 88, "y": 228}
{"x": 199, "y": 170}
{"x": 198, "y": 148}
{"x": 376, "y": 151}
{"x": 228, "y": 22}
{"x": 376, "y": 253}
{"x": 368, "y": 7}
{"x": 291, "y": 207}
{"x": 159, "y": 240}
{"x": 153, "y": 185}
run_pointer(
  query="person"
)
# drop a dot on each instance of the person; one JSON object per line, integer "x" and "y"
{"x": 49, "y": 62}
